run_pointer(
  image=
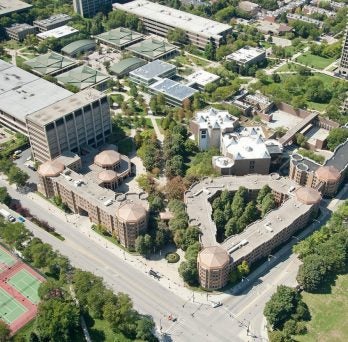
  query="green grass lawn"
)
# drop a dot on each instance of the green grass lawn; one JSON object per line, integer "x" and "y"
{"x": 149, "y": 123}
{"x": 314, "y": 61}
{"x": 287, "y": 67}
{"x": 329, "y": 314}
{"x": 100, "y": 331}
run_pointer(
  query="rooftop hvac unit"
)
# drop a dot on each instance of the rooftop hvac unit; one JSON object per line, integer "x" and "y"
{"x": 108, "y": 202}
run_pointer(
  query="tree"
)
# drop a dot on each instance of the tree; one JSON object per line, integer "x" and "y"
{"x": 144, "y": 244}
{"x": 210, "y": 50}
{"x": 175, "y": 188}
{"x": 177, "y": 36}
{"x": 4, "y": 196}
{"x": 300, "y": 139}
{"x": 174, "y": 166}
{"x": 56, "y": 320}
{"x": 17, "y": 176}
{"x": 265, "y": 190}
{"x": 188, "y": 271}
{"x": 144, "y": 329}
{"x": 243, "y": 268}
{"x": 281, "y": 306}
{"x": 5, "y": 332}
{"x": 268, "y": 203}
{"x": 336, "y": 137}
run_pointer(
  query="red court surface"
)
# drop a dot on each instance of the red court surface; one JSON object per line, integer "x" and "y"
{"x": 17, "y": 298}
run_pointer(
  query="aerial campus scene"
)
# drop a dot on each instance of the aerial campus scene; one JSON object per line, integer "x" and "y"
{"x": 173, "y": 170}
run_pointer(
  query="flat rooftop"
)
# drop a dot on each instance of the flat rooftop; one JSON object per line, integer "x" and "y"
{"x": 173, "y": 89}
{"x": 263, "y": 230}
{"x": 58, "y": 32}
{"x": 153, "y": 69}
{"x": 175, "y": 18}
{"x": 22, "y": 93}
{"x": 202, "y": 78}
{"x": 199, "y": 208}
{"x": 246, "y": 54}
{"x": 16, "y": 28}
{"x": 54, "y": 19}
{"x": 340, "y": 158}
{"x": 10, "y": 6}
{"x": 64, "y": 106}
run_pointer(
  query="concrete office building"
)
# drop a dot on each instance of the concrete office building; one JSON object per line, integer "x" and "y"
{"x": 328, "y": 177}
{"x": 69, "y": 124}
{"x": 343, "y": 68}
{"x": 200, "y": 79}
{"x": 213, "y": 267}
{"x": 22, "y": 93}
{"x": 152, "y": 72}
{"x": 20, "y": 31}
{"x": 174, "y": 92}
{"x": 89, "y": 8}
{"x": 247, "y": 55}
{"x": 58, "y": 32}
{"x": 52, "y": 22}
{"x": 13, "y": 6}
{"x": 86, "y": 190}
{"x": 159, "y": 19}
{"x": 208, "y": 126}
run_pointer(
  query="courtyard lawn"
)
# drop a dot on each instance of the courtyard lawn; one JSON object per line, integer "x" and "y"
{"x": 288, "y": 67}
{"x": 329, "y": 314}
{"x": 314, "y": 61}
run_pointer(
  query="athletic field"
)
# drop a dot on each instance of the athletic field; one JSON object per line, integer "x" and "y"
{"x": 19, "y": 286}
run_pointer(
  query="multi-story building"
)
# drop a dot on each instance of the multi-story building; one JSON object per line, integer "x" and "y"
{"x": 20, "y": 31}
{"x": 343, "y": 69}
{"x": 89, "y": 8}
{"x": 159, "y": 19}
{"x": 296, "y": 206}
{"x": 52, "y": 22}
{"x": 328, "y": 177}
{"x": 208, "y": 126}
{"x": 12, "y": 6}
{"x": 247, "y": 55}
{"x": 22, "y": 93}
{"x": 214, "y": 265}
{"x": 119, "y": 38}
{"x": 69, "y": 124}
{"x": 58, "y": 33}
{"x": 89, "y": 189}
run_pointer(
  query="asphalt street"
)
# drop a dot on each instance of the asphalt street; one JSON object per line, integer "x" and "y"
{"x": 239, "y": 319}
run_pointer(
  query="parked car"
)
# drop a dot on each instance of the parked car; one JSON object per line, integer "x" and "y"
{"x": 216, "y": 304}
{"x": 20, "y": 219}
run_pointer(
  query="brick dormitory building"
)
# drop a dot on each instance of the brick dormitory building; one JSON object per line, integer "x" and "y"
{"x": 68, "y": 134}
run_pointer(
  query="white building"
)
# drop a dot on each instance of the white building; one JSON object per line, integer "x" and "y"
{"x": 247, "y": 55}
{"x": 59, "y": 32}
{"x": 208, "y": 126}
{"x": 200, "y": 79}
{"x": 159, "y": 19}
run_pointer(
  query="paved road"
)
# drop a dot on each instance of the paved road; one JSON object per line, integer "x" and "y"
{"x": 196, "y": 321}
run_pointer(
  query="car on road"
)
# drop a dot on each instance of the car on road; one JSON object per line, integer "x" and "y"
{"x": 11, "y": 218}
{"x": 216, "y": 304}
{"x": 31, "y": 167}
{"x": 20, "y": 219}
{"x": 154, "y": 274}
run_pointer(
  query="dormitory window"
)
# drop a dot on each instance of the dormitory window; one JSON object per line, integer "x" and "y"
{"x": 203, "y": 134}
{"x": 78, "y": 113}
{"x": 49, "y": 127}
{"x": 60, "y": 122}
{"x": 69, "y": 117}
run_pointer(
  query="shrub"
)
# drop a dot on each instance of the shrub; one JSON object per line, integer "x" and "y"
{"x": 172, "y": 258}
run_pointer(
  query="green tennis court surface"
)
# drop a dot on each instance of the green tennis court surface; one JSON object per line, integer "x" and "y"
{"x": 26, "y": 284}
{"x": 6, "y": 258}
{"x": 10, "y": 309}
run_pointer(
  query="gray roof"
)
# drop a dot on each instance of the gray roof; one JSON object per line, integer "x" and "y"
{"x": 153, "y": 69}
{"x": 173, "y": 89}
{"x": 152, "y": 48}
{"x": 82, "y": 77}
{"x": 64, "y": 106}
{"x": 22, "y": 93}
{"x": 340, "y": 158}
{"x": 120, "y": 36}
{"x": 9, "y": 6}
{"x": 49, "y": 63}
{"x": 54, "y": 19}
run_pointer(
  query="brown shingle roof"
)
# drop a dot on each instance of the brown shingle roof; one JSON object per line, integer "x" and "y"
{"x": 308, "y": 195}
{"x": 213, "y": 257}
{"x": 107, "y": 158}
{"x": 328, "y": 174}
{"x": 51, "y": 168}
{"x": 131, "y": 212}
{"x": 107, "y": 176}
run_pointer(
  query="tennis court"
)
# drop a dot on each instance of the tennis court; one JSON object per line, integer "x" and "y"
{"x": 10, "y": 308}
{"x": 6, "y": 259}
{"x": 26, "y": 284}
